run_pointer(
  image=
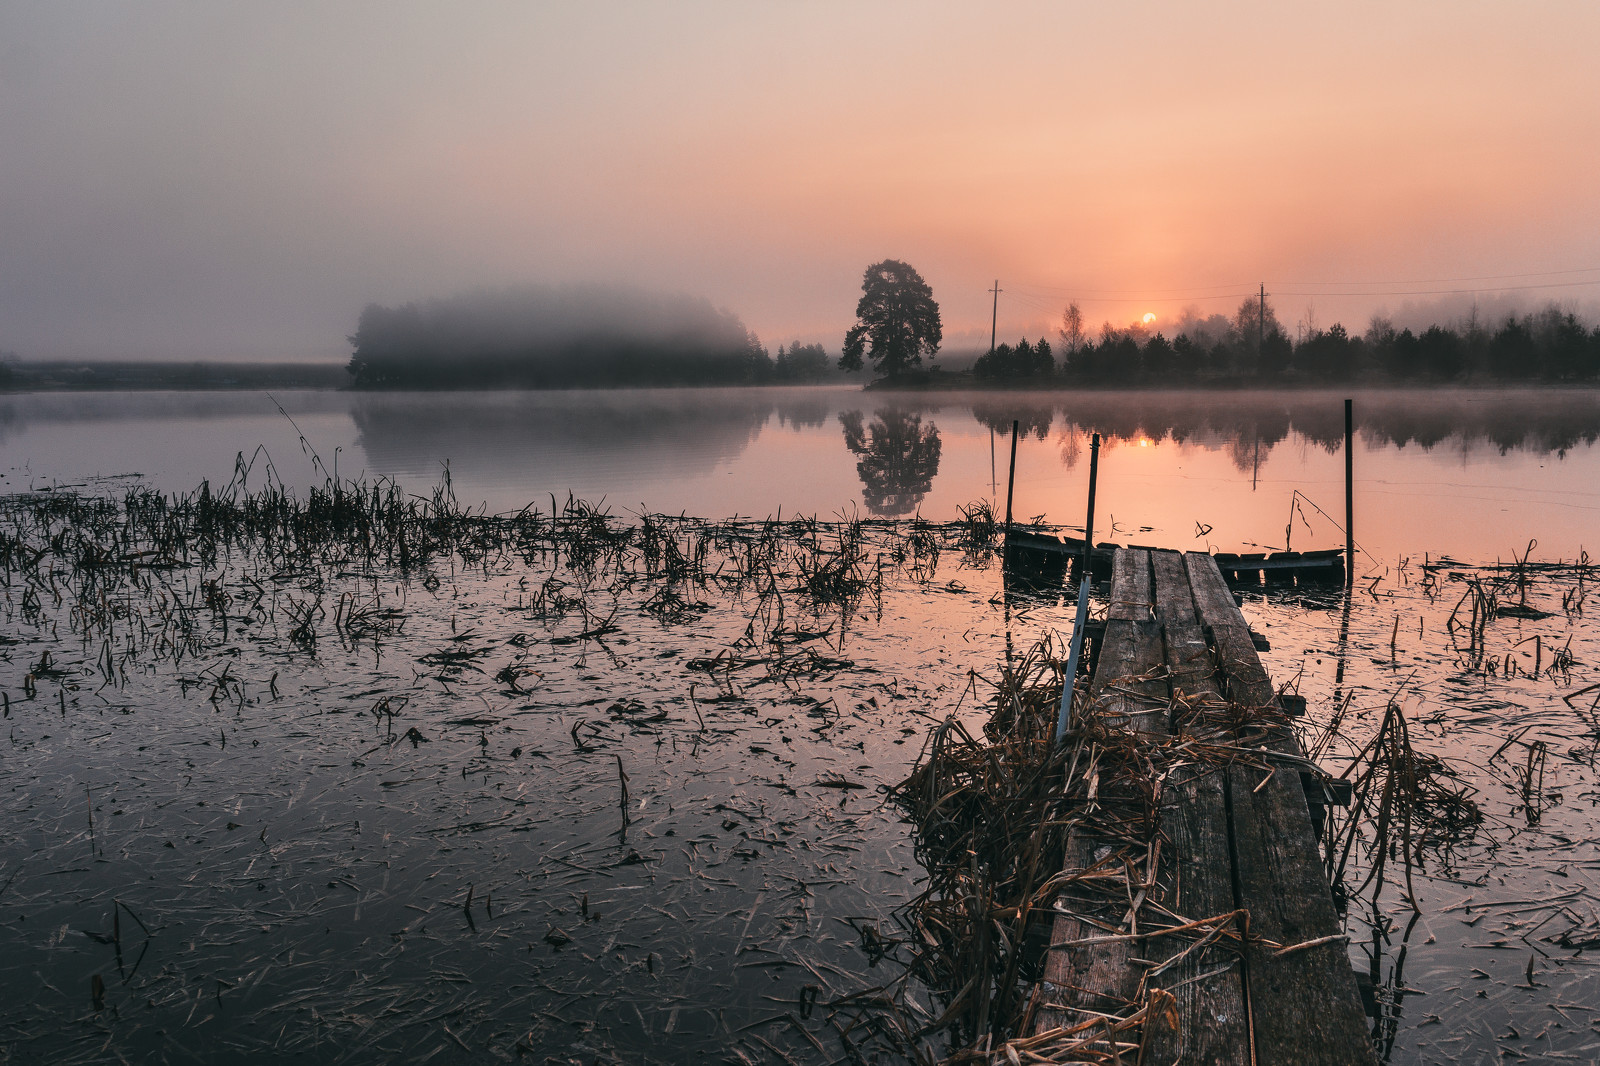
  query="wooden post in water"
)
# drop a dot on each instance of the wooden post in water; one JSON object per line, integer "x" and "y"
{"x": 1075, "y": 649}
{"x": 1011, "y": 478}
{"x": 1088, "y": 522}
{"x": 1349, "y": 494}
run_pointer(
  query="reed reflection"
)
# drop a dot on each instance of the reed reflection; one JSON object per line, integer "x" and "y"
{"x": 898, "y": 458}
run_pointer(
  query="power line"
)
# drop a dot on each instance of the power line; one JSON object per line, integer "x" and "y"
{"x": 1450, "y": 281}
{"x": 1057, "y": 290}
{"x": 1452, "y": 292}
{"x": 1043, "y": 295}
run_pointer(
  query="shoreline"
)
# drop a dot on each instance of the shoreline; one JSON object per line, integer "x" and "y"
{"x": 219, "y": 377}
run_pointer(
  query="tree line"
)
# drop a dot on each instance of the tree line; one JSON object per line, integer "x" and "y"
{"x": 1252, "y": 348}
{"x": 596, "y": 337}
{"x": 898, "y": 324}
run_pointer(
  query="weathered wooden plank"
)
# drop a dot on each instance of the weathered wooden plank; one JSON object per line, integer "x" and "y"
{"x": 1304, "y": 1006}
{"x": 1243, "y": 679}
{"x": 1187, "y": 654}
{"x": 1129, "y": 679}
{"x": 1131, "y": 593}
{"x": 1093, "y": 977}
{"x": 1212, "y": 598}
{"x": 1174, "y": 601}
{"x": 1212, "y": 1022}
{"x": 1099, "y": 977}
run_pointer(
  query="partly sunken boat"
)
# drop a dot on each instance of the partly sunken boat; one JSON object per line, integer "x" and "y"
{"x": 1031, "y": 551}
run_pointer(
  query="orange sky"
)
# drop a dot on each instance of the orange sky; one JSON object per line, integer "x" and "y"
{"x": 194, "y": 180}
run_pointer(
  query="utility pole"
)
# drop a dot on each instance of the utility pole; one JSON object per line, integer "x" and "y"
{"x": 995, "y": 313}
{"x": 1261, "y": 325}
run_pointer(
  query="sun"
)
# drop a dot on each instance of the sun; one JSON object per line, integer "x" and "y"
{"x": 1149, "y": 317}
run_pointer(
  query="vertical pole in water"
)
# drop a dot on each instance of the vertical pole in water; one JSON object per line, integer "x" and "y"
{"x": 1075, "y": 652}
{"x": 1011, "y": 478}
{"x": 1349, "y": 495}
{"x": 1088, "y": 524}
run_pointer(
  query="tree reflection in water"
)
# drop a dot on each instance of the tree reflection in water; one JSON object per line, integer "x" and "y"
{"x": 898, "y": 458}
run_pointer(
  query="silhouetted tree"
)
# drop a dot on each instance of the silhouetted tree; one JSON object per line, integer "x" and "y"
{"x": 1260, "y": 345}
{"x": 1024, "y": 362}
{"x": 1402, "y": 357}
{"x": 1071, "y": 331}
{"x": 897, "y": 321}
{"x": 1566, "y": 344}
{"x": 1439, "y": 353}
{"x": 899, "y": 457}
{"x": 1328, "y": 355}
{"x": 802, "y": 362}
{"x": 1115, "y": 360}
{"x": 1511, "y": 351}
{"x": 1188, "y": 358}
{"x": 1158, "y": 359}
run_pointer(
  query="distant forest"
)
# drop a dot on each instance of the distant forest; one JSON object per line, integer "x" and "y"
{"x": 16, "y": 375}
{"x": 1252, "y": 349}
{"x": 568, "y": 338}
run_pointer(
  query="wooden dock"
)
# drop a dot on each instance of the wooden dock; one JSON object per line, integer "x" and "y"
{"x": 1045, "y": 553}
{"x": 1262, "y": 975}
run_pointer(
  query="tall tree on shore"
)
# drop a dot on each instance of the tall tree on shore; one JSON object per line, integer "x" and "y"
{"x": 897, "y": 321}
{"x": 1071, "y": 331}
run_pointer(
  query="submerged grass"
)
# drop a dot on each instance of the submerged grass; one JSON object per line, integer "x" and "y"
{"x": 241, "y": 595}
{"x": 415, "y": 704}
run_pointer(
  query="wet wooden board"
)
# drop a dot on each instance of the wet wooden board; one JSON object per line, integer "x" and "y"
{"x": 1100, "y": 977}
{"x": 1128, "y": 679}
{"x": 1234, "y": 838}
{"x": 1304, "y": 1006}
{"x": 1083, "y": 977}
{"x": 1132, "y": 592}
{"x": 1211, "y": 1022}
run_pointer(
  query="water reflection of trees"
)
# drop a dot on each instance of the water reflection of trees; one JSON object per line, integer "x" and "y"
{"x": 804, "y": 410}
{"x": 898, "y": 458}
{"x": 1249, "y": 425}
{"x": 1032, "y": 418}
{"x": 527, "y": 437}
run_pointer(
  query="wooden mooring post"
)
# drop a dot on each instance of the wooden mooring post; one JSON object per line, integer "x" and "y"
{"x": 1349, "y": 494}
{"x": 1234, "y": 920}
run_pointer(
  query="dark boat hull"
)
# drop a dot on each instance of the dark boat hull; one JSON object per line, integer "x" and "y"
{"x": 1029, "y": 552}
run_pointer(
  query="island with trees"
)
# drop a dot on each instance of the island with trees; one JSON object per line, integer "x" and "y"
{"x": 577, "y": 336}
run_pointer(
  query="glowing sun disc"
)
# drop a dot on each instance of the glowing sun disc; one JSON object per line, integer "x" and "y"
{"x": 1149, "y": 317}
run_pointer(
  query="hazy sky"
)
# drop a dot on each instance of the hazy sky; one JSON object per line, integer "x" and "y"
{"x": 216, "y": 180}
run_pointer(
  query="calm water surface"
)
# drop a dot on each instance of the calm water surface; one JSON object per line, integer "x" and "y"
{"x": 1470, "y": 474}
{"x": 305, "y": 877}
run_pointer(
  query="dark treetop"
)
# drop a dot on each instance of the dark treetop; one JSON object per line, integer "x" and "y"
{"x": 897, "y": 321}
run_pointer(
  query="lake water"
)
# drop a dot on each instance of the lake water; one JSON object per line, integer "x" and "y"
{"x": 1470, "y": 474}
{"x": 316, "y": 884}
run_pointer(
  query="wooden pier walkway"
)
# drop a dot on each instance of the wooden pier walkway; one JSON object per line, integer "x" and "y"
{"x": 1266, "y": 978}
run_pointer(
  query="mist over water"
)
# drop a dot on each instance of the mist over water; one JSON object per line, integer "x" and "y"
{"x": 1472, "y": 474}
